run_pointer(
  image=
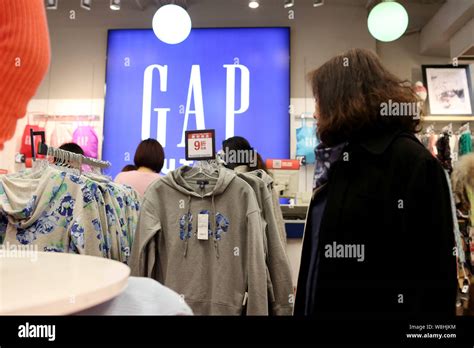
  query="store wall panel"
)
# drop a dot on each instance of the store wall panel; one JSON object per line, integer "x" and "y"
{"x": 79, "y": 45}
{"x": 69, "y": 107}
{"x": 403, "y": 58}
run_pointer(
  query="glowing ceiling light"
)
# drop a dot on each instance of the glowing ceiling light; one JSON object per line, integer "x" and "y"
{"x": 254, "y": 4}
{"x": 172, "y": 24}
{"x": 115, "y": 5}
{"x": 289, "y": 3}
{"x": 388, "y": 21}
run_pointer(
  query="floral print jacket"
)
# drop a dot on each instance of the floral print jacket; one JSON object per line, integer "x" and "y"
{"x": 60, "y": 211}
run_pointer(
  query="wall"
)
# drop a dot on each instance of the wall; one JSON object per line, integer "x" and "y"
{"x": 53, "y": 107}
{"x": 403, "y": 59}
{"x": 79, "y": 45}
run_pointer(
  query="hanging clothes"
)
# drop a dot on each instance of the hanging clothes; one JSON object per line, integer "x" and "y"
{"x": 61, "y": 134}
{"x": 59, "y": 211}
{"x": 268, "y": 180}
{"x": 120, "y": 207}
{"x": 306, "y": 141}
{"x": 218, "y": 268}
{"x": 453, "y": 148}
{"x": 86, "y": 138}
{"x": 465, "y": 143}
{"x": 280, "y": 282}
{"x": 444, "y": 152}
{"x": 433, "y": 139}
{"x": 463, "y": 188}
{"x": 425, "y": 140}
{"x": 51, "y": 213}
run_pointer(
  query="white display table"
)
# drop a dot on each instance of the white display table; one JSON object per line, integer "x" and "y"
{"x": 57, "y": 283}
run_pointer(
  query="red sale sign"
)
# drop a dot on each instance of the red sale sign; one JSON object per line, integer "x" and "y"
{"x": 200, "y": 145}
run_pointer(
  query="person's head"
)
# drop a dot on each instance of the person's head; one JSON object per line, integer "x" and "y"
{"x": 129, "y": 168}
{"x": 238, "y": 152}
{"x": 150, "y": 154}
{"x": 351, "y": 91}
{"x": 72, "y": 147}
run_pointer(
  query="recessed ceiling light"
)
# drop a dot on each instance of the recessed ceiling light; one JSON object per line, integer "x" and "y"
{"x": 52, "y": 4}
{"x": 318, "y": 3}
{"x": 254, "y": 4}
{"x": 86, "y": 4}
{"x": 115, "y": 5}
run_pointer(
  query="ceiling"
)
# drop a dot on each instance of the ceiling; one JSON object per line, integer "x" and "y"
{"x": 419, "y": 11}
{"x": 221, "y": 11}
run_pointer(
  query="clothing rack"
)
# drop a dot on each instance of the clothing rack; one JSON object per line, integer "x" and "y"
{"x": 305, "y": 116}
{"x": 464, "y": 127}
{"x": 71, "y": 157}
{"x": 32, "y": 142}
{"x": 448, "y": 129}
{"x": 66, "y": 118}
{"x": 63, "y": 155}
{"x": 430, "y": 129}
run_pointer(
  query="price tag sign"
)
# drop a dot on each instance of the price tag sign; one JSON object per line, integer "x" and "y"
{"x": 200, "y": 145}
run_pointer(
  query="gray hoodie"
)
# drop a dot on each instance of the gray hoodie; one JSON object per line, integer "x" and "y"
{"x": 275, "y": 201}
{"x": 218, "y": 276}
{"x": 280, "y": 282}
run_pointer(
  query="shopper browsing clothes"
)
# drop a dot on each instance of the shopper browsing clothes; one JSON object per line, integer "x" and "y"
{"x": 149, "y": 159}
{"x": 379, "y": 236}
{"x": 240, "y": 156}
{"x": 72, "y": 147}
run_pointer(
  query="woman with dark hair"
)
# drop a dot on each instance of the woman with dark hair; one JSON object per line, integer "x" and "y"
{"x": 149, "y": 160}
{"x": 240, "y": 156}
{"x": 379, "y": 236}
{"x": 72, "y": 147}
{"x": 129, "y": 168}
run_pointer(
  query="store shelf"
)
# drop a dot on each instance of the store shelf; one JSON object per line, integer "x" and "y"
{"x": 444, "y": 118}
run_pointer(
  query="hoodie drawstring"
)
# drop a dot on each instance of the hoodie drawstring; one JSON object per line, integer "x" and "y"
{"x": 214, "y": 219}
{"x": 187, "y": 229}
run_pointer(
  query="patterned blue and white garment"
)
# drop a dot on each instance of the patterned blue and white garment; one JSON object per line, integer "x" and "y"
{"x": 60, "y": 211}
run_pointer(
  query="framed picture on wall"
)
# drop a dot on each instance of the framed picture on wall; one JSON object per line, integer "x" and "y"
{"x": 449, "y": 89}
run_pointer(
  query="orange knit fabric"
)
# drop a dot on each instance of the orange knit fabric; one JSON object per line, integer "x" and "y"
{"x": 24, "y": 59}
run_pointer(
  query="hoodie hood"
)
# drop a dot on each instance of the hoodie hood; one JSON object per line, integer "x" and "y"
{"x": 267, "y": 178}
{"x": 176, "y": 179}
{"x": 25, "y": 198}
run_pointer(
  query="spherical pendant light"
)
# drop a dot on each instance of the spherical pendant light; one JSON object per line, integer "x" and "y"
{"x": 172, "y": 24}
{"x": 388, "y": 21}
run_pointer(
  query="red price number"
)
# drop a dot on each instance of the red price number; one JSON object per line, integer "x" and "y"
{"x": 199, "y": 145}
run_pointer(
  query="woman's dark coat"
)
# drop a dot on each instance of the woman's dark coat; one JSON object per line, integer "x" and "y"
{"x": 391, "y": 195}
